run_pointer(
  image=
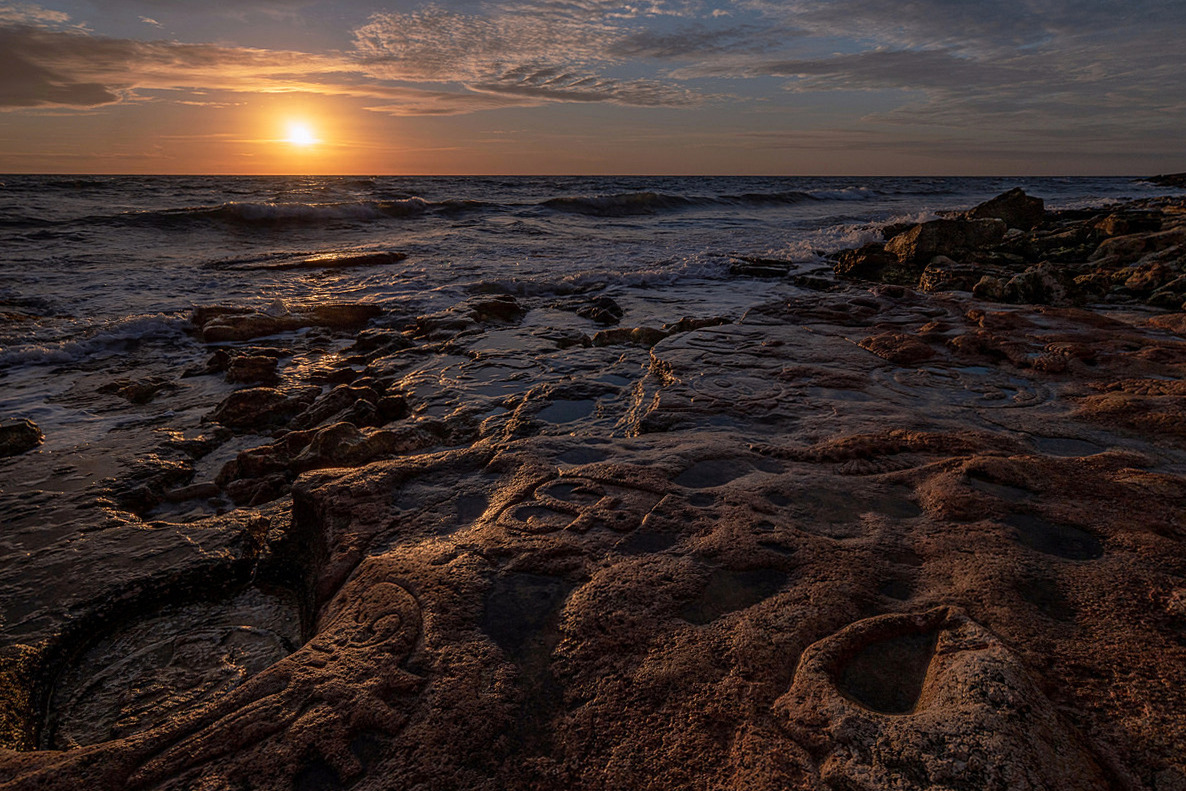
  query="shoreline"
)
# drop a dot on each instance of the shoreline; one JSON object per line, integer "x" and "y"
{"x": 862, "y": 533}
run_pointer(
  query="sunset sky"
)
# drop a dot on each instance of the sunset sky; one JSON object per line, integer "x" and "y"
{"x": 844, "y": 87}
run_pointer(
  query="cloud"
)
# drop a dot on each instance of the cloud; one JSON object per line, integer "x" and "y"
{"x": 544, "y": 51}
{"x": 695, "y": 43}
{"x": 554, "y": 51}
{"x": 435, "y": 45}
{"x": 44, "y": 67}
{"x": 27, "y": 14}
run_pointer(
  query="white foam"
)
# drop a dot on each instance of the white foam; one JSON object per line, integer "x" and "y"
{"x": 98, "y": 342}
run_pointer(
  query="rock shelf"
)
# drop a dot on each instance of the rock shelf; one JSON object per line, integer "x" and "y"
{"x": 917, "y": 527}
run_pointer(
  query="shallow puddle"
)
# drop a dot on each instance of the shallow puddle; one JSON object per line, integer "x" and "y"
{"x": 1049, "y": 538}
{"x": 160, "y": 668}
{"x": 566, "y": 411}
{"x": 887, "y": 676}
{"x": 1065, "y": 446}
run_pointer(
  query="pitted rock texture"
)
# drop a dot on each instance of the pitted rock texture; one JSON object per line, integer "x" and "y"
{"x": 860, "y": 538}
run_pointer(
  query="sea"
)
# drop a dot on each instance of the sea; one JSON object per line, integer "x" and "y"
{"x": 102, "y": 272}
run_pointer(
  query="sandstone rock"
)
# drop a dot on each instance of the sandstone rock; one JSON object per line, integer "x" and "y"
{"x": 602, "y": 310}
{"x": 1044, "y": 284}
{"x": 1154, "y": 407}
{"x": 241, "y": 327}
{"x": 261, "y": 409}
{"x": 1147, "y": 278}
{"x": 1132, "y": 247}
{"x": 505, "y": 309}
{"x": 756, "y": 266}
{"x": 944, "y": 274}
{"x": 257, "y": 369}
{"x": 1169, "y": 180}
{"x": 18, "y": 435}
{"x": 689, "y": 324}
{"x": 990, "y": 288}
{"x": 345, "y": 315}
{"x": 1073, "y": 244}
{"x": 344, "y": 445}
{"x": 944, "y": 237}
{"x": 144, "y": 484}
{"x": 1095, "y": 285}
{"x": 1014, "y": 207}
{"x": 934, "y": 700}
{"x": 379, "y": 340}
{"x": 1172, "y": 322}
{"x": 218, "y": 324}
{"x": 869, "y": 263}
{"x": 898, "y": 348}
{"x": 137, "y": 391}
{"x": 1124, "y": 223}
{"x": 347, "y": 403}
{"x": 641, "y": 336}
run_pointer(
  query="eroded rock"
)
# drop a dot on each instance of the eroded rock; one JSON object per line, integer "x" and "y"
{"x": 19, "y": 435}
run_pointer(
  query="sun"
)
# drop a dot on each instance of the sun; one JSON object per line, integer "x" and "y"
{"x": 300, "y": 134}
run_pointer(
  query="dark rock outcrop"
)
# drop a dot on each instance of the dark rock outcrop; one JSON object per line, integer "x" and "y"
{"x": 944, "y": 237}
{"x": 19, "y": 435}
{"x": 219, "y": 324}
{"x": 261, "y": 409}
{"x": 1014, "y": 207}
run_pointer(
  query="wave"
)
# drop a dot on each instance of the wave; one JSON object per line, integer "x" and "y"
{"x": 113, "y": 338}
{"x": 626, "y": 204}
{"x": 272, "y": 215}
{"x": 630, "y": 204}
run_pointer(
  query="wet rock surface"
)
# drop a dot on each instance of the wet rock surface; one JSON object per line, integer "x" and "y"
{"x": 856, "y": 536}
{"x": 18, "y": 435}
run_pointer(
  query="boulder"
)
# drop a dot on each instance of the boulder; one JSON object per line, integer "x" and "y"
{"x": 18, "y": 435}
{"x": 137, "y": 391}
{"x": 337, "y": 316}
{"x": 1014, "y": 207}
{"x": 1169, "y": 180}
{"x": 641, "y": 336}
{"x": 1147, "y": 278}
{"x": 345, "y": 403}
{"x": 930, "y": 700}
{"x": 602, "y": 310}
{"x": 898, "y": 348}
{"x": 218, "y": 324}
{"x": 944, "y": 237}
{"x": 944, "y": 274}
{"x": 1132, "y": 247}
{"x": 253, "y": 369}
{"x": 503, "y": 309}
{"x": 262, "y": 408}
{"x": 990, "y": 288}
{"x": 1043, "y": 284}
{"x": 756, "y": 266}
{"x": 1123, "y": 223}
{"x": 864, "y": 262}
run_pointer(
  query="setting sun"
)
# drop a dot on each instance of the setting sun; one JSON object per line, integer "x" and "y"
{"x": 300, "y": 134}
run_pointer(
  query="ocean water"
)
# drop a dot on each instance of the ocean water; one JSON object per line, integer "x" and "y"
{"x": 100, "y": 273}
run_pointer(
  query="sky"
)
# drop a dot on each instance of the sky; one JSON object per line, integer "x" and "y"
{"x": 763, "y": 87}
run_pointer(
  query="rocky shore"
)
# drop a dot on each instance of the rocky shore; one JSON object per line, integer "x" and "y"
{"x": 920, "y": 524}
